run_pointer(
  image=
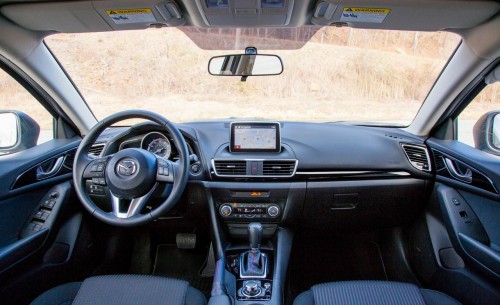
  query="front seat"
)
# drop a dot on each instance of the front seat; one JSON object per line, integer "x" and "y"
{"x": 371, "y": 293}
{"x": 123, "y": 290}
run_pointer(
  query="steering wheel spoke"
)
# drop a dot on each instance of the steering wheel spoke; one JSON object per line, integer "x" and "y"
{"x": 165, "y": 170}
{"x": 126, "y": 208}
{"x": 95, "y": 169}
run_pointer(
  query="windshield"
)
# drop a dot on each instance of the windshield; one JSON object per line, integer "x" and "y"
{"x": 340, "y": 74}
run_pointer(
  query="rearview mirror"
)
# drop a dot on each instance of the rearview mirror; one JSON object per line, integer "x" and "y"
{"x": 487, "y": 133}
{"x": 245, "y": 65}
{"x": 18, "y": 131}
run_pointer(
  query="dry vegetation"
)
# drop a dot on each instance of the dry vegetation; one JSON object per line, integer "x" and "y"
{"x": 342, "y": 74}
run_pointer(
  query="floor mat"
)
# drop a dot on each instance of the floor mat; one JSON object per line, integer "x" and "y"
{"x": 183, "y": 264}
{"x": 337, "y": 260}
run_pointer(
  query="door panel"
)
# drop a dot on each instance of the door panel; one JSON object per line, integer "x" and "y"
{"x": 466, "y": 201}
{"x": 28, "y": 212}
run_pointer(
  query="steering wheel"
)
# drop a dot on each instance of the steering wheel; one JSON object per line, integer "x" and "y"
{"x": 132, "y": 175}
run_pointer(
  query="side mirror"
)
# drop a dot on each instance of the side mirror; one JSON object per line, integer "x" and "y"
{"x": 18, "y": 131}
{"x": 245, "y": 65}
{"x": 487, "y": 133}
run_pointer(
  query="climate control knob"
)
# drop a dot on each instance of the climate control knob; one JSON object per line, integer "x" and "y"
{"x": 273, "y": 211}
{"x": 225, "y": 210}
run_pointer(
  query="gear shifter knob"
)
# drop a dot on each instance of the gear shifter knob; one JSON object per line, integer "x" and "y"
{"x": 255, "y": 234}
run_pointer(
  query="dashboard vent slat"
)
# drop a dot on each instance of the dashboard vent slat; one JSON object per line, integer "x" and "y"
{"x": 68, "y": 159}
{"x": 418, "y": 156}
{"x": 278, "y": 168}
{"x": 230, "y": 168}
{"x": 438, "y": 161}
{"x": 96, "y": 149}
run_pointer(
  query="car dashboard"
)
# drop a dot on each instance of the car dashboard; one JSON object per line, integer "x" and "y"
{"x": 323, "y": 176}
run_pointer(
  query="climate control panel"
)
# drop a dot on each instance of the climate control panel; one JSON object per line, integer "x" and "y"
{"x": 249, "y": 210}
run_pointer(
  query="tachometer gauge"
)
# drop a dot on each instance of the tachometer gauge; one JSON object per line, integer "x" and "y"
{"x": 160, "y": 147}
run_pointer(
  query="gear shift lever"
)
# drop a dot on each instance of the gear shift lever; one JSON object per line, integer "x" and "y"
{"x": 253, "y": 263}
{"x": 255, "y": 235}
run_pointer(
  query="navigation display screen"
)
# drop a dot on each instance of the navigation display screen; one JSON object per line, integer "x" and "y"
{"x": 255, "y": 137}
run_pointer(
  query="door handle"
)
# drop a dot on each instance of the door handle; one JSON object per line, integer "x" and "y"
{"x": 467, "y": 177}
{"x": 42, "y": 174}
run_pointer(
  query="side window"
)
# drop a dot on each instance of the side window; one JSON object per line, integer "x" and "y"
{"x": 14, "y": 97}
{"x": 486, "y": 101}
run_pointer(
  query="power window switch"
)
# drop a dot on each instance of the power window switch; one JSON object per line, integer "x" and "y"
{"x": 37, "y": 227}
{"x": 39, "y": 215}
{"x": 31, "y": 226}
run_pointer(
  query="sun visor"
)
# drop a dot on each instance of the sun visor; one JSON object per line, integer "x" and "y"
{"x": 94, "y": 16}
{"x": 404, "y": 14}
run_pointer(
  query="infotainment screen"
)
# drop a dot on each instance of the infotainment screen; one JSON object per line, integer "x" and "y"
{"x": 255, "y": 137}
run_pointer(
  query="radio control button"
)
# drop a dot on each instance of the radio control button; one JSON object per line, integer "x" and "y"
{"x": 226, "y": 210}
{"x": 273, "y": 211}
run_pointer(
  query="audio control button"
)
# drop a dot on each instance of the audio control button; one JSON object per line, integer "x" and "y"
{"x": 226, "y": 210}
{"x": 273, "y": 211}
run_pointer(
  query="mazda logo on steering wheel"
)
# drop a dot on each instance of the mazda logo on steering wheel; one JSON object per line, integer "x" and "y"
{"x": 126, "y": 167}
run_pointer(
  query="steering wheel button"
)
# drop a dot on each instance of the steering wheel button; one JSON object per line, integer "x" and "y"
{"x": 166, "y": 171}
{"x": 93, "y": 168}
{"x": 160, "y": 170}
{"x": 100, "y": 168}
{"x": 97, "y": 174}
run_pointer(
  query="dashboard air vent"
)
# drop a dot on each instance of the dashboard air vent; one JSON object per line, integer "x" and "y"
{"x": 230, "y": 167}
{"x": 438, "y": 161}
{"x": 418, "y": 156}
{"x": 278, "y": 168}
{"x": 69, "y": 158}
{"x": 96, "y": 149}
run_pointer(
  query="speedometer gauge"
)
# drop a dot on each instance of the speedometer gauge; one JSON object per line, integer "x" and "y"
{"x": 160, "y": 147}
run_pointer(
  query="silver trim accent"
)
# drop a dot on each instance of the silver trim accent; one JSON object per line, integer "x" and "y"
{"x": 135, "y": 207}
{"x": 255, "y": 176}
{"x": 467, "y": 177}
{"x": 41, "y": 174}
{"x": 254, "y": 276}
{"x": 95, "y": 145}
{"x": 414, "y": 164}
{"x": 161, "y": 134}
{"x": 400, "y": 173}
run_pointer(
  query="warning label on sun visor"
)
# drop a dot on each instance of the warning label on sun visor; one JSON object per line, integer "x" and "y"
{"x": 364, "y": 14}
{"x": 130, "y": 16}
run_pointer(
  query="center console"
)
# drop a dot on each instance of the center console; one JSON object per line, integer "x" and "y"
{"x": 253, "y": 200}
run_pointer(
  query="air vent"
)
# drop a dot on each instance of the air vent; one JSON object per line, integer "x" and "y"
{"x": 278, "y": 168}
{"x": 68, "y": 160}
{"x": 230, "y": 167}
{"x": 96, "y": 149}
{"x": 418, "y": 156}
{"x": 438, "y": 161}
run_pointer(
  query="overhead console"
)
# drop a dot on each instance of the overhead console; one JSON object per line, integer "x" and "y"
{"x": 243, "y": 12}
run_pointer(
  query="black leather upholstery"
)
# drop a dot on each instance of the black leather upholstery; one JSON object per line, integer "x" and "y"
{"x": 123, "y": 290}
{"x": 371, "y": 293}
